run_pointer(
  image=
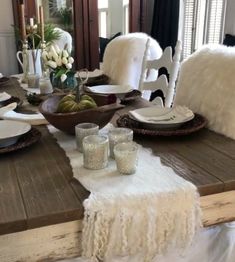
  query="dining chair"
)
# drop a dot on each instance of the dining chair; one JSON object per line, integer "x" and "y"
{"x": 123, "y": 57}
{"x": 64, "y": 39}
{"x": 165, "y": 83}
{"x": 206, "y": 85}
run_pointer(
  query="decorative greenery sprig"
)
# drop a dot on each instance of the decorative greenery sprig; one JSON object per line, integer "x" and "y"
{"x": 34, "y": 36}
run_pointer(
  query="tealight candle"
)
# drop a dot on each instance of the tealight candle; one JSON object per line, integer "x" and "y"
{"x": 95, "y": 152}
{"x": 118, "y": 135}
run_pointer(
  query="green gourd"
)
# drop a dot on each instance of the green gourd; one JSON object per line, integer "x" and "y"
{"x": 68, "y": 104}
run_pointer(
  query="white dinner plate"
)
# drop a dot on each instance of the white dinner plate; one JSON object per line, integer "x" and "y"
{"x": 10, "y": 131}
{"x": 162, "y": 118}
{"x": 4, "y": 96}
{"x": 110, "y": 89}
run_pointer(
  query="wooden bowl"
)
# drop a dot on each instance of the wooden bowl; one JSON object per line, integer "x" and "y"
{"x": 67, "y": 121}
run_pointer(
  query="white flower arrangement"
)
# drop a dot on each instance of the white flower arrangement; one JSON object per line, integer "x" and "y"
{"x": 58, "y": 61}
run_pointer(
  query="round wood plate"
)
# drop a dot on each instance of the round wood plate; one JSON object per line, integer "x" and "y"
{"x": 197, "y": 123}
{"x": 24, "y": 141}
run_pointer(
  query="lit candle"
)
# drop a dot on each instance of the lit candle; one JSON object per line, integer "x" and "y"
{"x": 41, "y": 21}
{"x": 23, "y": 29}
{"x": 31, "y": 22}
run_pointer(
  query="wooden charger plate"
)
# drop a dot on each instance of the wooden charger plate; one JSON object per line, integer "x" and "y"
{"x": 197, "y": 123}
{"x": 24, "y": 141}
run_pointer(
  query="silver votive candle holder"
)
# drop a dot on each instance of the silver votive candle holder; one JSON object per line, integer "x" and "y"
{"x": 95, "y": 152}
{"x": 33, "y": 80}
{"x": 118, "y": 135}
{"x": 82, "y": 130}
{"x": 45, "y": 86}
{"x": 126, "y": 157}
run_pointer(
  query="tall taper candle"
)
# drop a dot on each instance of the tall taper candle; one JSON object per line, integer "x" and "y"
{"x": 23, "y": 29}
{"x": 41, "y": 22}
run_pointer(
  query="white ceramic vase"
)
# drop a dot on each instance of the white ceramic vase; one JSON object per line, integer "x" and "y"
{"x": 37, "y": 54}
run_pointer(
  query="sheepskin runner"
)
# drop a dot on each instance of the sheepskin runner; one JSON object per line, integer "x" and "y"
{"x": 145, "y": 213}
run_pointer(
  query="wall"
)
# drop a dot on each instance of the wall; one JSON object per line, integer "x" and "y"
{"x": 8, "y": 62}
{"x": 230, "y": 18}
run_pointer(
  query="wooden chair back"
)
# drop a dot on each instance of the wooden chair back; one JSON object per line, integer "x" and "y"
{"x": 164, "y": 83}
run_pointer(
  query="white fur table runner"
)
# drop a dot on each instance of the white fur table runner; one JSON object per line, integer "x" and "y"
{"x": 144, "y": 213}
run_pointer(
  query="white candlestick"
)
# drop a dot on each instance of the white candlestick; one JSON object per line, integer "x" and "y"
{"x": 31, "y": 22}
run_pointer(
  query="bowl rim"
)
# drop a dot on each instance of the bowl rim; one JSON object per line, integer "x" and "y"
{"x": 112, "y": 106}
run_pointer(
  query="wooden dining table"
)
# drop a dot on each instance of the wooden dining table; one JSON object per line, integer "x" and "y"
{"x": 41, "y": 202}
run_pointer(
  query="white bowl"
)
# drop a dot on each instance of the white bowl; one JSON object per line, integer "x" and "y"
{"x": 10, "y": 131}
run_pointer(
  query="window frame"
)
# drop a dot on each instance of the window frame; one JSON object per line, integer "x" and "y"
{"x": 191, "y": 19}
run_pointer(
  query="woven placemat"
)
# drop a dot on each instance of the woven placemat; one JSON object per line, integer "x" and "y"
{"x": 24, "y": 141}
{"x": 197, "y": 123}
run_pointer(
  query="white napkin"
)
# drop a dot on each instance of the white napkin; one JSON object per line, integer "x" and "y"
{"x": 7, "y": 112}
{"x": 7, "y": 108}
{"x": 4, "y": 96}
{"x": 1, "y": 75}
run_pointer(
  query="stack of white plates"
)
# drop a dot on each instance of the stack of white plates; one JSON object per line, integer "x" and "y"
{"x": 161, "y": 117}
{"x": 10, "y": 131}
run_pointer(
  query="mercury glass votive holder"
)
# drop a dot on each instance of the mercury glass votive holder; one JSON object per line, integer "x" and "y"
{"x": 126, "y": 156}
{"x": 95, "y": 152}
{"x": 82, "y": 130}
{"x": 118, "y": 135}
{"x": 45, "y": 86}
{"x": 33, "y": 80}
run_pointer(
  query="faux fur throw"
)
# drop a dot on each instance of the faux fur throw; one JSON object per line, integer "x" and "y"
{"x": 124, "y": 55}
{"x": 207, "y": 86}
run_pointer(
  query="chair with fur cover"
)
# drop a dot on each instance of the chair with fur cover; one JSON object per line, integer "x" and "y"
{"x": 123, "y": 58}
{"x": 206, "y": 85}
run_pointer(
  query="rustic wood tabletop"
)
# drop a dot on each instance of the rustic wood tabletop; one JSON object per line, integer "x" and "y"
{"x": 37, "y": 186}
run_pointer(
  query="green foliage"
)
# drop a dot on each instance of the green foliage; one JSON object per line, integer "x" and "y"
{"x": 34, "y": 36}
{"x": 50, "y": 34}
{"x": 65, "y": 15}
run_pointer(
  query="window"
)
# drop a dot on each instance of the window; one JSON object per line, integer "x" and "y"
{"x": 203, "y": 23}
{"x": 125, "y": 16}
{"x": 103, "y": 6}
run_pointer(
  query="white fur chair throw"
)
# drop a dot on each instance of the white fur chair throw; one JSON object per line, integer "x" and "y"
{"x": 65, "y": 38}
{"x": 124, "y": 55}
{"x": 207, "y": 86}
